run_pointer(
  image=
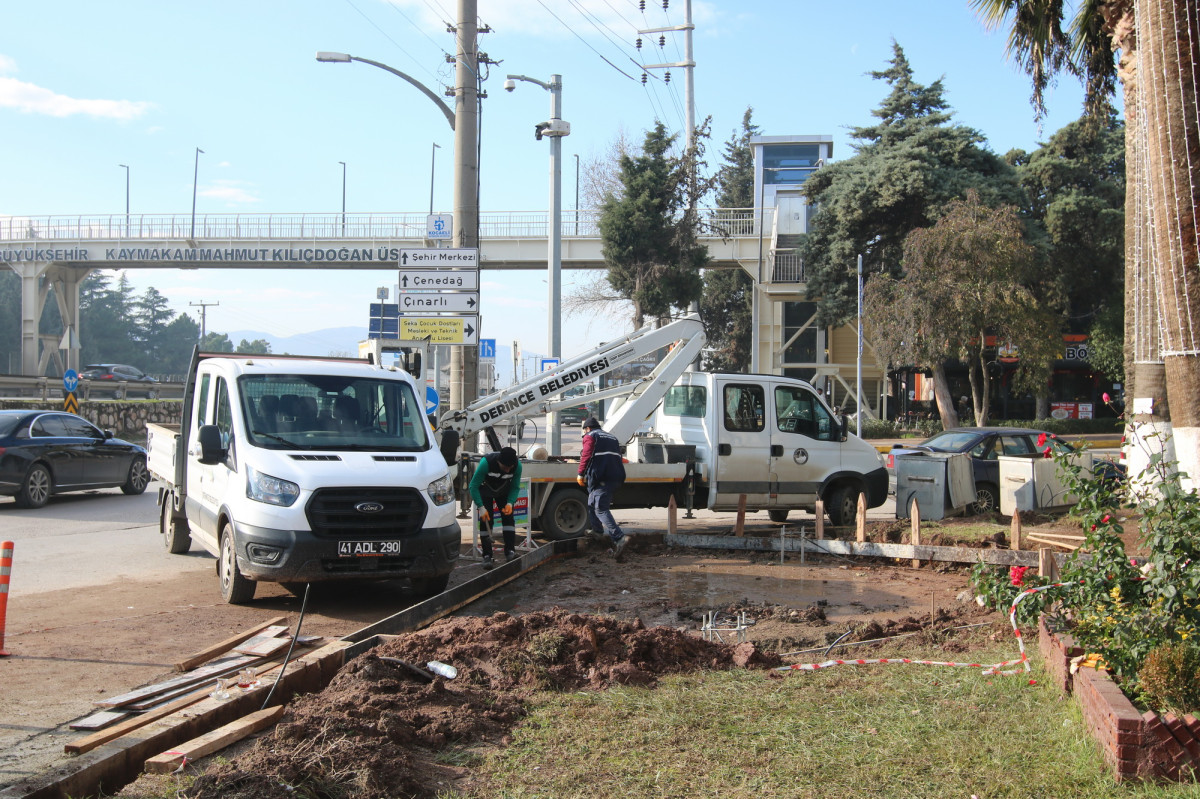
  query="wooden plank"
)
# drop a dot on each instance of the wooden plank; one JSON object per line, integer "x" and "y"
{"x": 205, "y": 655}
{"x": 264, "y": 647}
{"x": 119, "y": 761}
{"x": 90, "y": 742}
{"x": 1063, "y": 535}
{"x": 1062, "y": 544}
{"x": 209, "y": 672}
{"x": 860, "y": 518}
{"x": 915, "y": 525}
{"x": 819, "y": 511}
{"x": 214, "y": 741}
{"x": 1014, "y": 530}
{"x": 99, "y": 720}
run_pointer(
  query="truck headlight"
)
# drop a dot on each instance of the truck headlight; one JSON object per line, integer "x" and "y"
{"x": 441, "y": 490}
{"x": 271, "y": 490}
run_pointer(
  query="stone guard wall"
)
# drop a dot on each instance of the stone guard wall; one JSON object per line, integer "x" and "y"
{"x": 126, "y": 419}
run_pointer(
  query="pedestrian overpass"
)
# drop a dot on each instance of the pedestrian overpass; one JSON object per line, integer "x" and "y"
{"x": 58, "y": 252}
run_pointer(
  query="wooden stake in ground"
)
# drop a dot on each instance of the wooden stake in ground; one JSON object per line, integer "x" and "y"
{"x": 739, "y": 529}
{"x": 915, "y": 525}
{"x": 860, "y": 519}
{"x": 214, "y": 741}
{"x": 672, "y": 510}
{"x": 1047, "y": 565}
{"x": 820, "y": 511}
{"x": 1014, "y": 530}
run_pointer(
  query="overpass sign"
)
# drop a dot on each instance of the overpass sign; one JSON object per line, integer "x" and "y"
{"x": 436, "y": 258}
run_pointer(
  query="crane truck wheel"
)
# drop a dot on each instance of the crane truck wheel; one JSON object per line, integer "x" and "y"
{"x": 449, "y": 446}
{"x": 175, "y": 534}
{"x": 566, "y": 514}
{"x": 235, "y": 589}
{"x": 842, "y": 505}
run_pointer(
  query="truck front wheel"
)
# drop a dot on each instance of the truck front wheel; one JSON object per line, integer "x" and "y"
{"x": 566, "y": 514}
{"x": 235, "y": 589}
{"x": 175, "y": 534}
{"x": 842, "y": 506}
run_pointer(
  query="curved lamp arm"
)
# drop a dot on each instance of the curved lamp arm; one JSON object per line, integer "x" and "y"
{"x": 343, "y": 57}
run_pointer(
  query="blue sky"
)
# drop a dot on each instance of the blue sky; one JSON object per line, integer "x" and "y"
{"x": 86, "y": 86}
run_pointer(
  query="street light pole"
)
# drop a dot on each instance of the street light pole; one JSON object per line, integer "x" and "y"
{"x": 195, "y": 176}
{"x": 343, "y": 163}
{"x": 576, "y": 194}
{"x": 126, "y": 168}
{"x": 432, "y": 165}
{"x": 554, "y": 129}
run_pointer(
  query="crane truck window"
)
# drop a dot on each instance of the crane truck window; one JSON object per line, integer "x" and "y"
{"x": 686, "y": 401}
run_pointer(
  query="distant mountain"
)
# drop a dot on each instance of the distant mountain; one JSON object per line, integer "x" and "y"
{"x": 330, "y": 341}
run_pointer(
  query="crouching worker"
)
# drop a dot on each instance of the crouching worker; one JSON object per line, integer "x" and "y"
{"x": 497, "y": 480}
{"x": 602, "y": 472}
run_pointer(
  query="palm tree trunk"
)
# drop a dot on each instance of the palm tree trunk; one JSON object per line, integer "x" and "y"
{"x": 1169, "y": 42}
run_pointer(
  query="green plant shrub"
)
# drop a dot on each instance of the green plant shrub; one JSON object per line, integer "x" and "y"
{"x": 1169, "y": 679}
{"x": 1063, "y": 427}
{"x": 878, "y": 428}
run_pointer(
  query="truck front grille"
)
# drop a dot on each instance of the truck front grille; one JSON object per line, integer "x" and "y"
{"x": 348, "y": 512}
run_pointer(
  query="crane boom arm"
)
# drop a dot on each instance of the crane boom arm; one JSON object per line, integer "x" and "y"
{"x": 537, "y": 394}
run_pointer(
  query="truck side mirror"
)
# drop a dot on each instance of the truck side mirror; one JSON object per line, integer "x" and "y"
{"x": 211, "y": 451}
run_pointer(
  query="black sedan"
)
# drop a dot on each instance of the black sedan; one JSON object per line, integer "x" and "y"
{"x": 985, "y": 445}
{"x": 50, "y": 452}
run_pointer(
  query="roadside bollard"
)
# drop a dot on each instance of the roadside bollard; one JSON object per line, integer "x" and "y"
{"x": 6, "y": 550}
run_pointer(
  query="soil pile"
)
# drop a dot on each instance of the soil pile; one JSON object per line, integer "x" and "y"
{"x": 375, "y": 730}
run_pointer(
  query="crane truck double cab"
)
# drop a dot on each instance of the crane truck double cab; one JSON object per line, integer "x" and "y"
{"x": 704, "y": 439}
{"x": 297, "y": 470}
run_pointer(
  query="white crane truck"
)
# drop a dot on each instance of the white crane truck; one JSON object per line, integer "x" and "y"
{"x": 706, "y": 439}
{"x": 297, "y": 470}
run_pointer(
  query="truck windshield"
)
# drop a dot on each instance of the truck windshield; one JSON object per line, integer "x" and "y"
{"x": 332, "y": 412}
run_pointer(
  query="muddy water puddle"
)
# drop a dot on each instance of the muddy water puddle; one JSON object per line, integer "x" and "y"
{"x": 669, "y": 581}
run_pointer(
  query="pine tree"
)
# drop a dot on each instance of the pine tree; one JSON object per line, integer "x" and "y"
{"x": 649, "y": 231}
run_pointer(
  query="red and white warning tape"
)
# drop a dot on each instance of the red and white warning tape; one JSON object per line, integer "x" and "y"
{"x": 994, "y": 668}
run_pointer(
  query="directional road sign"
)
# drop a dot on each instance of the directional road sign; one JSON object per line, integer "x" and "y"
{"x": 441, "y": 329}
{"x": 70, "y": 380}
{"x": 462, "y": 279}
{"x": 434, "y": 258}
{"x": 487, "y": 349}
{"x": 431, "y": 400}
{"x": 439, "y": 302}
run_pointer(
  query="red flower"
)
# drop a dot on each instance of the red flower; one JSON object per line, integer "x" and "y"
{"x": 1048, "y": 453}
{"x": 1017, "y": 575}
{"x": 1107, "y": 399}
{"x": 1105, "y": 519}
{"x": 1041, "y": 440}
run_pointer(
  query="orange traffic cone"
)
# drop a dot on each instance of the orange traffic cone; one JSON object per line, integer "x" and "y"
{"x": 6, "y": 550}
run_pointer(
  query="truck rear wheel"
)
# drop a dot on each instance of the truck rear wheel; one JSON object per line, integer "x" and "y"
{"x": 430, "y": 586}
{"x": 235, "y": 589}
{"x": 778, "y": 515}
{"x": 566, "y": 514}
{"x": 175, "y": 533}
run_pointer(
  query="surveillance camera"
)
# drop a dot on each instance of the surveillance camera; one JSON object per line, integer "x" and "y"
{"x": 509, "y": 85}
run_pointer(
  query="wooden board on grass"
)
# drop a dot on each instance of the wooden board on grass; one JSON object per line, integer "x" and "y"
{"x": 263, "y": 645}
{"x": 214, "y": 741}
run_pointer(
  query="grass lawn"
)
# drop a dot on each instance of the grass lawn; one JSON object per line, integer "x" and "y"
{"x": 857, "y": 731}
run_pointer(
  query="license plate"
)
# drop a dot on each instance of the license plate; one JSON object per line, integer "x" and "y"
{"x": 358, "y": 549}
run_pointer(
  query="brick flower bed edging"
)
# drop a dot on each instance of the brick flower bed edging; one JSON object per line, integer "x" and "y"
{"x": 1136, "y": 746}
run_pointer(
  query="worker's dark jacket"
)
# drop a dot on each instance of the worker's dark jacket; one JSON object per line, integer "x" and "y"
{"x": 604, "y": 466}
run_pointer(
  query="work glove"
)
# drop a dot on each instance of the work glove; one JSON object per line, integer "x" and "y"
{"x": 506, "y": 510}
{"x": 484, "y": 516}
{"x": 580, "y": 480}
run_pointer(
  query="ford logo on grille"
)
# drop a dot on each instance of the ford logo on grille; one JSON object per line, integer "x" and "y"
{"x": 368, "y": 507}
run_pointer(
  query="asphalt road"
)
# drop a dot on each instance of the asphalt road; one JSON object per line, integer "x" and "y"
{"x": 90, "y": 538}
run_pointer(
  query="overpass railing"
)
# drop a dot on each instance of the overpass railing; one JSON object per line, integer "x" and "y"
{"x": 585, "y": 223}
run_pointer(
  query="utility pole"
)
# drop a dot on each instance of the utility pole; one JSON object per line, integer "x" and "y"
{"x": 464, "y": 360}
{"x": 203, "y": 306}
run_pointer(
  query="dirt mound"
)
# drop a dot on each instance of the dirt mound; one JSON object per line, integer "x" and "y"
{"x": 374, "y": 730}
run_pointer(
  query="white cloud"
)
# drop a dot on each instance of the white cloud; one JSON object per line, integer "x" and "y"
{"x": 233, "y": 192}
{"x": 30, "y": 99}
{"x": 7, "y": 64}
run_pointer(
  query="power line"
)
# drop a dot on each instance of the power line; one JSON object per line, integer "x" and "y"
{"x": 585, "y": 41}
{"x": 390, "y": 39}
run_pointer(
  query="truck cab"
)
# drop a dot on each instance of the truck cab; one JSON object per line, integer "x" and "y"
{"x": 769, "y": 438}
{"x": 299, "y": 470}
